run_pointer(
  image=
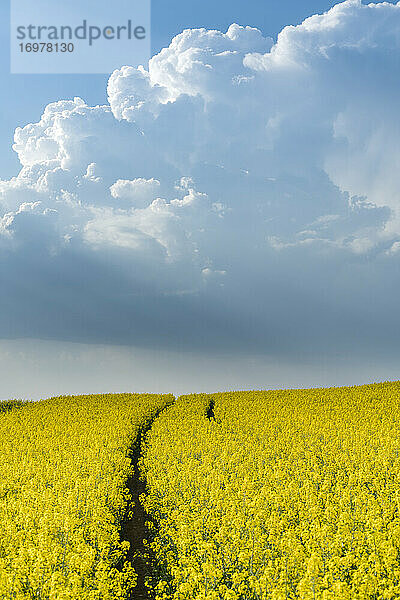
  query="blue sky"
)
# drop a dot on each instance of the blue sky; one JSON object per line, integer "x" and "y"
{"x": 233, "y": 205}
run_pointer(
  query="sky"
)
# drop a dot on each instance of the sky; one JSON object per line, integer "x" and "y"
{"x": 29, "y": 94}
{"x": 226, "y": 217}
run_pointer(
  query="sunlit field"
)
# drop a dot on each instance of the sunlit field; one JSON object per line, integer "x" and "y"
{"x": 247, "y": 496}
{"x": 281, "y": 494}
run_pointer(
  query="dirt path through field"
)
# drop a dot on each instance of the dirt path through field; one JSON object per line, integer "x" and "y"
{"x": 210, "y": 410}
{"x": 134, "y": 529}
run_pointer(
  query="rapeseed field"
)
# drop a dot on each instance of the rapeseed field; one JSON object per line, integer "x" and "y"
{"x": 289, "y": 494}
{"x": 63, "y": 469}
{"x": 279, "y": 495}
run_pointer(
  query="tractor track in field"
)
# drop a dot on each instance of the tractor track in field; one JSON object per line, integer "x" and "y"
{"x": 210, "y": 410}
{"x": 134, "y": 529}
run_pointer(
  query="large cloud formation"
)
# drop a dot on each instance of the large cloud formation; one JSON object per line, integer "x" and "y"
{"x": 240, "y": 194}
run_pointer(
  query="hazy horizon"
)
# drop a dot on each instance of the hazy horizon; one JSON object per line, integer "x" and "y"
{"x": 37, "y": 369}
